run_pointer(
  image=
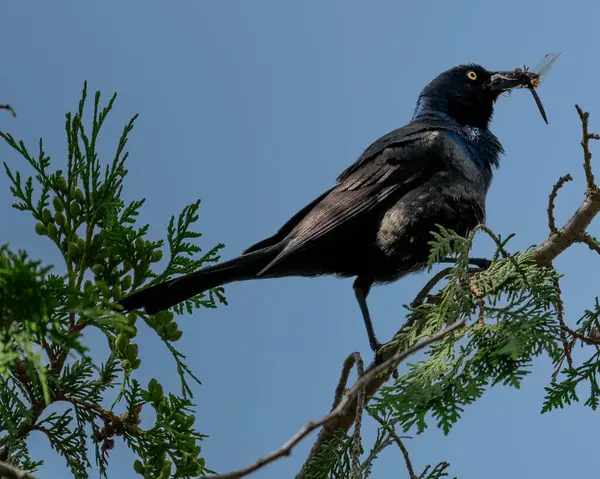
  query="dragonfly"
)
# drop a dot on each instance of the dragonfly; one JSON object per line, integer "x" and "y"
{"x": 533, "y": 78}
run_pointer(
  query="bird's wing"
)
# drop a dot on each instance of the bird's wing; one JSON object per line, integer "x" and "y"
{"x": 287, "y": 227}
{"x": 394, "y": 163}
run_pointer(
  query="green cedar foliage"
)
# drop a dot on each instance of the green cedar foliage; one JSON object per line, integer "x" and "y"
{"x": 46, "y": 311}
{"x": 513, "y": 311}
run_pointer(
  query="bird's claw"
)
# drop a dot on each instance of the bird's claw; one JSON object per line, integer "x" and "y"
{"x": 482, "y": 263}
{"x": 376, "y": 346}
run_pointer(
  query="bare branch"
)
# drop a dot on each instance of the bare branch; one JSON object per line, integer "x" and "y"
{"x": 479, "y": 299}
{"x": 341, "y": 387}
{"x": 559, "y": 184}
{"x": 588, "y": 240}
{"x": 360, "y": 405}
{"x": 560, "y": 313}
{"x": 570, "y": 233}
{"x": 124, "y": 422}
{"x": 422, "y": 295}
{"x": 347, "y": 403}
{"x": 587, "y": 155}
{"x": 574, "y": 230}
{"x": 400, "y": 444}
{"x": 592, "y": 339}
{"x": 9, "y": 472}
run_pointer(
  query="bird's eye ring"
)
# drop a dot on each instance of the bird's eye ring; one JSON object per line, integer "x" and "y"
{"x": 472, "y": 75}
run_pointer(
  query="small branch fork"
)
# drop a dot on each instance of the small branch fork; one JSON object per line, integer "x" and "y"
{"x": 574, "y": 231}
{"x": 400, "y": 444}
{"x": 346, "y": 403}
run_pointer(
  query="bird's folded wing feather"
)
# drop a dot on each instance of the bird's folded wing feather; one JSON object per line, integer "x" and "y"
{"x": 394, "y": 163}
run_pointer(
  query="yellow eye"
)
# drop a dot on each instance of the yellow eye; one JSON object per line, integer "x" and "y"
{"x": 472, "y": 75}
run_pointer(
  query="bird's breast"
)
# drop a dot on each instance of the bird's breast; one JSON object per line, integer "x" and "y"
{"x": 405, "y": 228}
{"x": 474, "y": 155}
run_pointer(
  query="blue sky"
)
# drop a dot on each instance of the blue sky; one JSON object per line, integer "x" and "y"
{"x": 255, "y": 107}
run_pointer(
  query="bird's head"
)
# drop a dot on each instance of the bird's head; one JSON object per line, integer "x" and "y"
{"x": 465, "y": 94}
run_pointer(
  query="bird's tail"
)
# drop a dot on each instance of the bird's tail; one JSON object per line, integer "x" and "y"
{"x": 164, "y": 295}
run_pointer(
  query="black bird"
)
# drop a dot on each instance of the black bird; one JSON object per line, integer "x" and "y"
{"x": 375, "y": 223}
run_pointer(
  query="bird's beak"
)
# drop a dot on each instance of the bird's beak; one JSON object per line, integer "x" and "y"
{"x": 504, "y": 81}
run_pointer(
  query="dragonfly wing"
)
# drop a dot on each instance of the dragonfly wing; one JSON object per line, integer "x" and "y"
{"x": 544, "y": 66}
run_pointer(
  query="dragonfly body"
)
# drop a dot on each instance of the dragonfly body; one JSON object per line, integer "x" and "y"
{"x": 532, "y": 79}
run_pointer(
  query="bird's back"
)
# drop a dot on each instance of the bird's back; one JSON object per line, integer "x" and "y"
{"x": 377, "y": 219}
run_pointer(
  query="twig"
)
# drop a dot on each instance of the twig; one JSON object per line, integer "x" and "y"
{"x": 436, "y": 470}
{"x": 587, "y": 340}
{"x": 360, "y": 404}
{"x": 344, "y": 404}
{"x": 559, "y": 184}
{"x": 570, "y": 233}
{"x": 573, "y": 231}
{"x": 587, "y": 155}
{"x": 500, "y": 246}
{"x": 560, "y": 362}
{"x": 122, "y": 422}
{"x": 398, "y": 441}
{"x": 48, "y": 350}
{"x": 9, "y": 108}
{"x": 422, "y": 295}
{"x": 481, "y": 263}
{"x": 560, "y": 313}
{"x": 588, "y": 240}
{"x": 10, "y": 472}
{"x": 479, "y": 298}
{"x": 340, "y": 390}
{"x": 341, "y": 386}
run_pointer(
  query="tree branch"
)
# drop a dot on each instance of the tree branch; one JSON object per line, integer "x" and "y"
{"x": 587, "y": 155}
{"x": 9, "y": 472}
{"x": 360, "y": 405}
{"x": 341, "y": 387}
{"x": 399, "y": 443}
{"x": 559, "y": 184}
{"x": 588, "y": 240}
{"x": 124, "y": 422}
{"x": 422, "y": 295}
{"x": 346, "y": 406}
{"x": 560, "y": 313}
{"x": 574, "y": 230}
{"x": 570, "y": 233}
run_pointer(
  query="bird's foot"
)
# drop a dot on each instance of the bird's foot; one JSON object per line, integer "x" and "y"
{"x": 482, "y": 263}
{"x": 376, "y": 346}
{"x": 379, "y": 359}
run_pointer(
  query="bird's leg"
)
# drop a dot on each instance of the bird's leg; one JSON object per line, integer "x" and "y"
{"x": 479, "y": 262}
{"x": 361, "y": 291}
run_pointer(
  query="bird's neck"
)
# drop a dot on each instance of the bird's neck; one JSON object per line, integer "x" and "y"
{"x": 477, "y": 141}
{"x": 480, "y": 146}
{"x": 440, "y": 108}
{"x": 429, "y": 108}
